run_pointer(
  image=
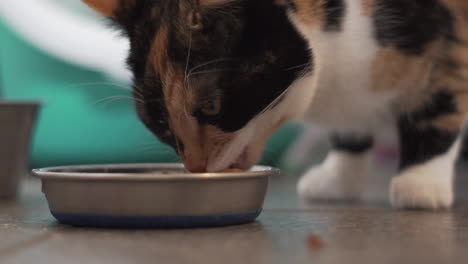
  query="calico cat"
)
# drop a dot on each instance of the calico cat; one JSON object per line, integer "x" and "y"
{"x": 216, "y": 78}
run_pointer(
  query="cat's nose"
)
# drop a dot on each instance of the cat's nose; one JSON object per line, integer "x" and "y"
{"x": 194, "y": 161}
{"x": 194, "y": 166}
{"x": 198, "y": 169}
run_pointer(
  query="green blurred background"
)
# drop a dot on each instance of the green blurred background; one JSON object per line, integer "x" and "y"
{"x": 82, "y": 121}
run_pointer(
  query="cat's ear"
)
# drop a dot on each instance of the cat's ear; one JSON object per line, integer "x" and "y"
{"x": 105, "y": 7}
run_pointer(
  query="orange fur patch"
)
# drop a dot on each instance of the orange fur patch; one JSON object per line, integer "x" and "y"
{"x": 452, "y": 71}
{"x": 105, "y": 7}
{"x": 411, "y": 75}
{"x": 310, "y": 12}
{"x": 159, "y": 51}
{"x": 368, "y": 7}
{"x": 172, "y": 83}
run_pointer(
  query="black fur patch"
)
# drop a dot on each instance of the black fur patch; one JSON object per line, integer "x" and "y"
{"x": 139, "y": 26}
{"x": 464, "y": 146}
{"x": 352, "y": 143}
{"x": 334, "y": 14}
{"x": 420, "y": 143}
{"x": 245, "y": 90}
{"x": 410, "y": 25}
{"x": 442, "y": 103}
{"x": 153, "y": 113}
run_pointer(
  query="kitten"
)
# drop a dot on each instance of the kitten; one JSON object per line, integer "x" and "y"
{"x": 378, "y": 61}
{"x": 218, "y": 77}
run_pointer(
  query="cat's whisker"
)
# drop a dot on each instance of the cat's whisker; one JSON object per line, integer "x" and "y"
{"x": 210, "y": 62}
{"x": 228, "y": 12}
{"x": 186, "y": 113}
{"x": 112, "y": 85}
{"x": 177, "y": 145}
{"x": 138, "y": 92}
{"x": 156, "y": 147}
{"x": 188, "y": 59}
{"x": 305, "y": 66}
{"x": 155, "y": 150}
{"x": 274, "y": 102}
{"x": 176, "y": 159}
{"x": 159, "y": 152}
{"x": 208, "y": 72}
{"x": 114, "y": 98}
{"x": 137, "y": 88}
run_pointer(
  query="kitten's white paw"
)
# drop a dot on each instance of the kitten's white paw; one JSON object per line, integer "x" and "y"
{"x": 422, "y": 188}
{"x": 340, "y": 177}
{"x": 325, "y": 183}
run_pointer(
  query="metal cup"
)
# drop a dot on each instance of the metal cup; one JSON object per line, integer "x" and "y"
{"x": 17, "y": 121}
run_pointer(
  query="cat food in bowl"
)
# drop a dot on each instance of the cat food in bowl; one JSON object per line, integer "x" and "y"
{"x": 153, "y": 195}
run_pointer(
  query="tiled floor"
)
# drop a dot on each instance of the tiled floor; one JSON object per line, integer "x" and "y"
{"x": 367, "y": 232}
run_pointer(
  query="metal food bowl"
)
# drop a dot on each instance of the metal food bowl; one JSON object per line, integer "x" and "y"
{"x": 153, "y": 195}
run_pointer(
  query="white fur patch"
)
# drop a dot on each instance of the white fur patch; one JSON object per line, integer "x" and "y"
{"x": 343, "y": 97}
{"x": 428, "y": 185}
{"x": 232, "y": 150}
{"x": 294, "y": 103}
{"x": 340, "y": 177}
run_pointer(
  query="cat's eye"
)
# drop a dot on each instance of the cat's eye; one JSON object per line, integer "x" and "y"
{"x": 212, "y": 108}
{"x": 195, "y": 20}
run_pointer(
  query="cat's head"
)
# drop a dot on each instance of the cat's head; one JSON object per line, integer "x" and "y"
{"x": 210, "y": 75}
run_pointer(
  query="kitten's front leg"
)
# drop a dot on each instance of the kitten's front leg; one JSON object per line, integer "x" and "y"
{"x": 428, "y": 155}
{"x": 341, "y": 175}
